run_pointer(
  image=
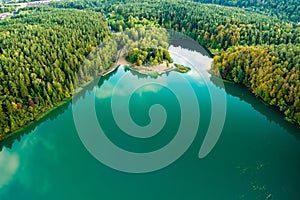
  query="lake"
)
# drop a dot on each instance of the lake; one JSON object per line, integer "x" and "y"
{"x": 256, "y": 155}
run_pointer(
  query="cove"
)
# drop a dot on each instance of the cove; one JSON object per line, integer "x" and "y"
{"x": 256, "y": 157}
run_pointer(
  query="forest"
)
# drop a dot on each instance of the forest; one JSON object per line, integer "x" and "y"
{"x": 215, "y": 27}
{"x": 271, "y": 72}
{"x": 42, "y": 49}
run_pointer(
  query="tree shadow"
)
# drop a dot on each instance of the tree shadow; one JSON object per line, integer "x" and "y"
{"x": 271, "y": 113}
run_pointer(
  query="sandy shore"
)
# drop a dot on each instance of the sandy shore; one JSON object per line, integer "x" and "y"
{"x": 158, "y": 69}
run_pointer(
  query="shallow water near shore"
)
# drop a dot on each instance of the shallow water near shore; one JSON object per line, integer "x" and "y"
{"x": 256, "y": 157}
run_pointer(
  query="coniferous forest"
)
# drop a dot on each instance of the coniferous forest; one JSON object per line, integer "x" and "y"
{"x": 286, "y": 10}
{"x": 42, "y": 48}
{"x": 40, "y": 51}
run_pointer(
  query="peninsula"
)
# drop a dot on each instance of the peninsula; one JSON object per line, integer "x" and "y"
{"x": 151, "y": 61}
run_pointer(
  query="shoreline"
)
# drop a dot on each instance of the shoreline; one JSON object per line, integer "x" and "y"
{"x": 102, "y": 74}
{"x": 156, "y": 70}
{"x": 120, "y": 61}
{"x": 147, "y": 70}
{"x": 147, "y": 74}
{"x": 48, "y": 111}
{"x": 39, "y": 117}
{"x": 261, "y": 101}
{"x": 76, "y": 91}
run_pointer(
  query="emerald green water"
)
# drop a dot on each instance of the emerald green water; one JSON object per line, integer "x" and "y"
{"x": 256, "y": 157}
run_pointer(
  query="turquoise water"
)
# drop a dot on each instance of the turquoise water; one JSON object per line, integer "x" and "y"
{"x": 256, "y": 156}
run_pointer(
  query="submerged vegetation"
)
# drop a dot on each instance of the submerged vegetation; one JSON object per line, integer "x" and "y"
{"x": 182, "y": 69}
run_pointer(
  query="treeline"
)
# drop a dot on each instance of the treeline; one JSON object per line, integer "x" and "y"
{"x": 215, "y": 27}
{"x": 271, "y": 72}
{"x": 286, "y": 10}
{"x": 41, "y": 50}
{"x": 265, "y": 44}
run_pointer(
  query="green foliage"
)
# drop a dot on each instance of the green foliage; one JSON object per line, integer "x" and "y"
{"x": 149, "y": 56}
{"x": 98, "y": 61}
{"x": 287, "y": 10}
{"x": 182, "y": 69}
{"x": 7, "y": 8}
{"x": 142, "y": 38}
{"x": 117, "y": 23}
{"x": 41, "y": 51}
{"x": 271, "y": 72}
{"x": 215, "y": 27}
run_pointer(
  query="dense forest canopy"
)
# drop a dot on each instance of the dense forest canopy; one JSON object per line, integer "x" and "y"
{"x": 145, "y": 46}
{"x": 41, "y": 49}
{"x": 149, "y": 56}
{"x": 287, "y": 10}
{"x": 215, "y": 27}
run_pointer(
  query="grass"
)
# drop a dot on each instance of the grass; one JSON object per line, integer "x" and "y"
{"x": 182, "y": 69}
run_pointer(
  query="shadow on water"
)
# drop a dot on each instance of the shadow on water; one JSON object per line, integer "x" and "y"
{"x": 17, "y": 136}
{"x": 271, "y": 113}
{"x": 52, "y": 115}
{"x": 105, "y": 78}
{"x": 179, "y": 39}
